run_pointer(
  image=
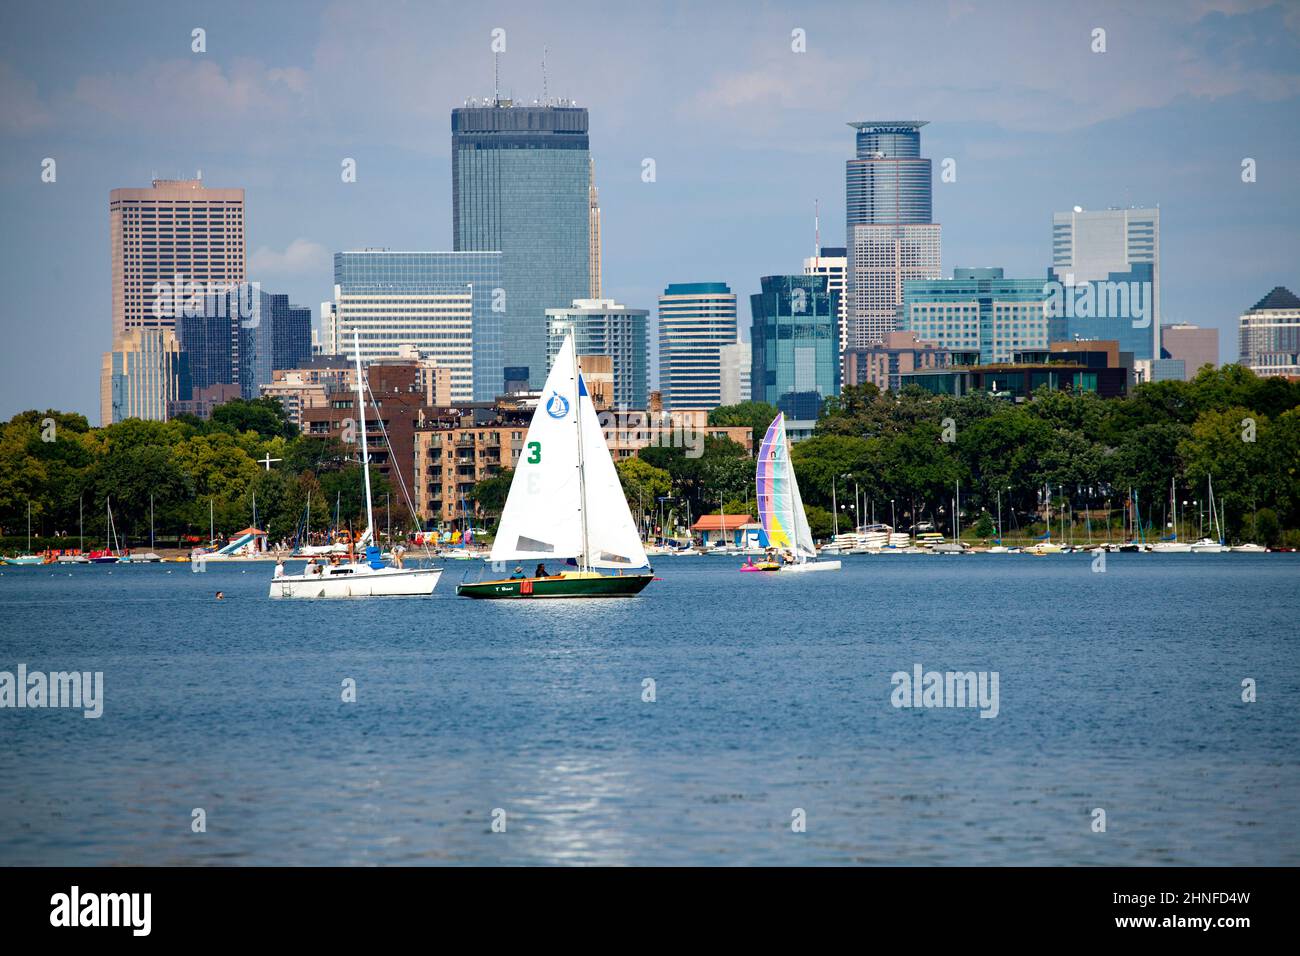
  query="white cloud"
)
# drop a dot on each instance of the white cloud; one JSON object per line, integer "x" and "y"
{"x": 21, "y": 109}
{"x": 302, "y": 257}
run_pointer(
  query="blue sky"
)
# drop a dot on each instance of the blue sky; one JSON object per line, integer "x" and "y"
{"x": 745, "y": 134}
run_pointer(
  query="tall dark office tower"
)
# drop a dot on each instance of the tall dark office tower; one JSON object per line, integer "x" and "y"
{"x": 891, "y": 235}
{"x": 241, "y": 335}
{"x": 520, "y": 185}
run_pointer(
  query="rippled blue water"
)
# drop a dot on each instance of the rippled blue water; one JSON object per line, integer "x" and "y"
{"x": 1119, "y": 690}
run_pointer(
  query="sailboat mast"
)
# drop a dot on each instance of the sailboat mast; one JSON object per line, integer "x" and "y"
{"x": 151, "y": 522}
{"x": 365, "y": 445}
{"x": 29, "y": 525}
{"x": 81, "y": 525}
{"x": 582, "y": 478}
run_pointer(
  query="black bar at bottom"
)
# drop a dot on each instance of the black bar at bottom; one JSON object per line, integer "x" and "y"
{"x": 213, "y": 905}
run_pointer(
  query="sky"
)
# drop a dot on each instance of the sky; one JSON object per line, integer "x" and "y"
{"x": 746, "y": 134}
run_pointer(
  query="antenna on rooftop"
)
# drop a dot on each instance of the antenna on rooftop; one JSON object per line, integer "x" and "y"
{"x": 544, "y": 90}
{"x": 496, "y": 77}
{"x": 817, "y": 232}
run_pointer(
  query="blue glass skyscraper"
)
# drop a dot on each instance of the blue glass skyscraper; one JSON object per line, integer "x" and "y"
{"x": 520, "y": 185}
{"x": 795, "y": 344}
{"x": 241, "y": 335}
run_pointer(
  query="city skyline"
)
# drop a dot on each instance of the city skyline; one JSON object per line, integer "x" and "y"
{"x": 741, "y": 147}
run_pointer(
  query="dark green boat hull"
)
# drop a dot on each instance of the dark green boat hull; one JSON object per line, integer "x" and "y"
{"x": 611, "y": 585}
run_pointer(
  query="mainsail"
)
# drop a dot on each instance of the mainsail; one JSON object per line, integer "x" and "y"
{"x": 566, "y": 500}
{"x": 780, "y": 509}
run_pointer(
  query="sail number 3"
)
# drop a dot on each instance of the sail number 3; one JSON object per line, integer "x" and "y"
{"x": 534, "y": 452}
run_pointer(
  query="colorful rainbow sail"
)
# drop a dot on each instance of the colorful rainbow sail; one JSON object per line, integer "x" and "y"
{"x": 780, "y": 509}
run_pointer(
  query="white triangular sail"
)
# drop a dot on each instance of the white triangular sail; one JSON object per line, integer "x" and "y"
{"x": 542, "y": 516}
{"x": 612, "y": 538}
{"x": 560, "y": 464}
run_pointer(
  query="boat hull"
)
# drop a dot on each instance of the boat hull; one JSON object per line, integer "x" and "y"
{"x": 389, "y": 582}
{"x": 559, "y": 586}
{"x": 808, "y": 567}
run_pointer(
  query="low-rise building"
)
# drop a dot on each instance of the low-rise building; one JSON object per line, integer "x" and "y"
{"x": 900, "y": 352}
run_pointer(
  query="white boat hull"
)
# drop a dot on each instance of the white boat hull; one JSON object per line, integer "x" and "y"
{"x": 1171, "y": 547}
{"x": 348, "y": 581}
{"x": 809, "y": 566}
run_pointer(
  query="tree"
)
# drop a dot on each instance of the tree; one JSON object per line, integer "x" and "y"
{"x": 266, "y": 416}
{"x": 643, "y": 484}
{"x": 490, "y": 494}
{"x": 756, "y": 415}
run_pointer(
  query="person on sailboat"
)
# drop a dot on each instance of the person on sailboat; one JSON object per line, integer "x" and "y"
{"x": 518, "y": 572}
{"x": 541, "y": 571}
{"x": 279, "y": 568}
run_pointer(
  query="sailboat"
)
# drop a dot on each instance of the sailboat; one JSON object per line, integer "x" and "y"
{"x": 28, "y": 558}
{"x": 780, "y": 509}
{"x": 1208, "y": 545}
{"x": 112, "y": 553}
{"x": 1172, "y": 545}
{"x": 370, "y": 576}
{"x": 566, "y": 503}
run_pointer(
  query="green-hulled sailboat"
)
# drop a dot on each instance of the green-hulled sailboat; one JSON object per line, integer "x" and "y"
{"x": 565, "y": 503}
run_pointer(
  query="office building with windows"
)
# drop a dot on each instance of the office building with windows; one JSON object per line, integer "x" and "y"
{"x": 447, "y": 305}
{"x": 522, "y": 187}
{"x": 1194, "y": 346}
{"x": 737, "y": 364}
{"x": 891, "y": 234}
{"x": 1119, "y": 306}
{"x": 142, "y": 375}
{"x": 898, "y": 354}
{"x": 1270, "y": 334}
{"x": 241, "y": 336}
{"x": 1104, "y": 247}
{"x": 977, "y": 310}
{"x": 603, "y": 327}
{"x": 696, "y": 321}
{"x": 794, "y": 341}
{"x": 833, "y": 262}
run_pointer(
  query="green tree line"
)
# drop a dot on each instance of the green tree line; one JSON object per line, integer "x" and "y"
{"x": 56, "y": 462}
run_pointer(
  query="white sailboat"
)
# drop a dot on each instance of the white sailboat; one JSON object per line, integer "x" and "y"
{"x": 1208, "y": 545}
{"x": 28, "y": 558}
{"x": 368, "y": 576}
{"x": 566, "y": 503}
{"x": 1172, "y": 545}
{"x": 780, "y": 508}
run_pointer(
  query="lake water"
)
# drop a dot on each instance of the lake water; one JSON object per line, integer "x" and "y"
{"x": 1119, "y": 690}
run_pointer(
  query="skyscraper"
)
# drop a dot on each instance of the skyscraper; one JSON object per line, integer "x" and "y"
{"x": 833, "y": 262}
{"x": 169, "y": 244}
{"x": 1270, "y": 334}
{"x": 593, "y": 224}
{"x": 442, "y": 303}
{"x": 696, "y": 321}
{"x": 177, "y": 228}
{"x": 794, "y": 346}
{"x": 603, "y": 327}
{"x": 241, "y": 336}
{"x": 1107, "y": 246}
{"x": 890, "y": 232}
{"x": 143, "y": 372}
{"x": 521, "y": 186}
